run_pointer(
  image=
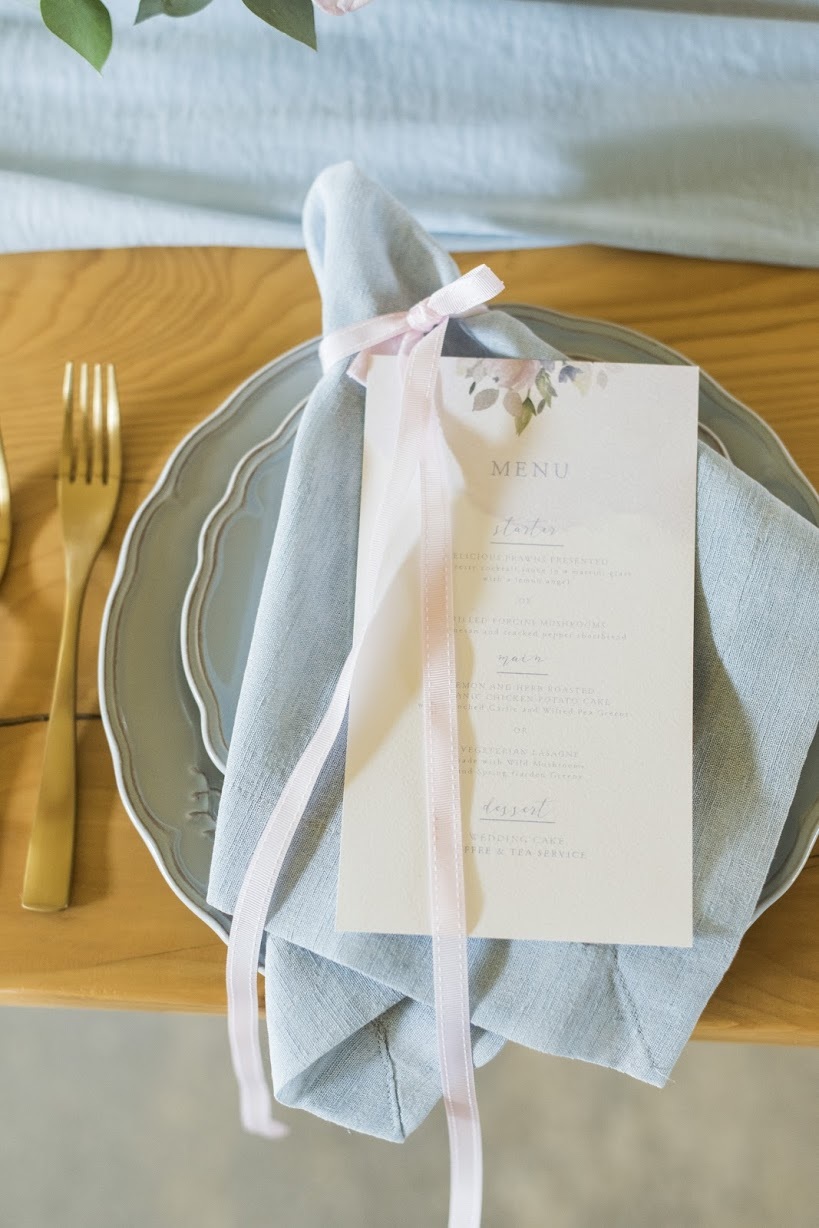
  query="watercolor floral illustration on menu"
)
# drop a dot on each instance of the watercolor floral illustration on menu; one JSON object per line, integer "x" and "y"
{"x": 523, "y": 388}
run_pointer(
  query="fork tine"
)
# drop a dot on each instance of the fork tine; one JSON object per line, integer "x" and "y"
{"x": 114, "y": 467}
{"x": 67, "y": 448}
{"x": 84, "y": 458}
{"x": 97, "y": 426}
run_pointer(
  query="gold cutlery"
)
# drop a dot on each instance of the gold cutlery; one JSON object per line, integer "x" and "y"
{"x": 87, "y": 489}
{"x": 5, "y": 512}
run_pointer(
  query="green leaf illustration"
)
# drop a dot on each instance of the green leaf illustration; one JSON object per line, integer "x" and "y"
{"x": 524, "y": 417}
{"x": 84, "y": 24}
{"x": 168, "y": 8}
{"x": 544, "y": 385}
{"x": 293, "y": 17}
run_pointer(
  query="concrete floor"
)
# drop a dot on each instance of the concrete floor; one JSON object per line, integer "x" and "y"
{"x": 123, "y": 1121}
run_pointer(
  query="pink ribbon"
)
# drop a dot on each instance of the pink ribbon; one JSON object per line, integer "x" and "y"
{"x": 417, "y": 335}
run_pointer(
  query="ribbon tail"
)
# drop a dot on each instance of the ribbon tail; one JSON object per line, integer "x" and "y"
{"x": 250, "y": 915}
{"x": 262, "y": 874}
{"x": 444, "y": 821}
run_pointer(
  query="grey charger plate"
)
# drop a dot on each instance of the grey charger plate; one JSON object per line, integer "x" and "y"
{"x": 168, "y": 781}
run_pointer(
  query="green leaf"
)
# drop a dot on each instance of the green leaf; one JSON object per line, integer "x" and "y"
{"x": 544, "y": 385}
{"x": 84, "y": 24}
{"x": 293, "y": 17}
{"x": 168, "y": 8}
{"x": 524, "y": 418}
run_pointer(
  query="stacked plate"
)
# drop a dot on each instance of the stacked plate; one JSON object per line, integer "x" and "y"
{"x": 179, "y": 618}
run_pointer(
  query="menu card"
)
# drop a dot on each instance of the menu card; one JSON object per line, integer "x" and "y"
{"x": 573, "y": 513}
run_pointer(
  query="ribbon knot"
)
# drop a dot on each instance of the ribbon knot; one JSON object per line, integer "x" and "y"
{"x": 423, "y": 317}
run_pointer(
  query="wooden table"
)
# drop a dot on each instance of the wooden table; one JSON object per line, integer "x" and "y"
{"x": 184, "y": 327}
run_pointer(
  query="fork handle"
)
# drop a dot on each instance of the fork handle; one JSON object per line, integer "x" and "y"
{"x": 47, "y": 881}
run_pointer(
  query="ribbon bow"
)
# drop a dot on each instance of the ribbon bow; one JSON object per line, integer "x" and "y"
{"x": 400, "y": 331}
{"x": 417, "y": 336}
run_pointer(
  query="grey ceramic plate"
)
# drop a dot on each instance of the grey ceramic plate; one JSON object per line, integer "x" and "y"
{"x": 168, "y": 782}
{"x": 220, "y": 605}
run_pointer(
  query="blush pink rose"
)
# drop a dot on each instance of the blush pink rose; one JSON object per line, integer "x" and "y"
{"x": 339, "y": 7}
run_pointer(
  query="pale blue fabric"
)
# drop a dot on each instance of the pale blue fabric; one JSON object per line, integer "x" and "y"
{"x": 499, "y": 123}
{"x": 350, "y": 1024}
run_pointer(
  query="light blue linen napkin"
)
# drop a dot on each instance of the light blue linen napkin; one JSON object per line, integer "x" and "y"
{"x": 350, "y": 1019}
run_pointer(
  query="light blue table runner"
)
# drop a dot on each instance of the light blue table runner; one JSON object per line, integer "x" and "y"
{"x": 499, "y": 123}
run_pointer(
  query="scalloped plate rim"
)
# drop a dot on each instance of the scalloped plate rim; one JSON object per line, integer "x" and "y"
{"x": 207, "y": 548}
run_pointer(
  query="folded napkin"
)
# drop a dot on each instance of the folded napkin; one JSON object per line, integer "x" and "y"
{"x": 350, "y": 1019}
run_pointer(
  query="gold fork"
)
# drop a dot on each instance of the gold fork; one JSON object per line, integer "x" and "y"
{"x": 87, "y": 490}
{"x": 5, "y": 512}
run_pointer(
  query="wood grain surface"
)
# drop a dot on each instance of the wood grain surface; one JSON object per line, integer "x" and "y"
{"x": 184, "y": 327}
